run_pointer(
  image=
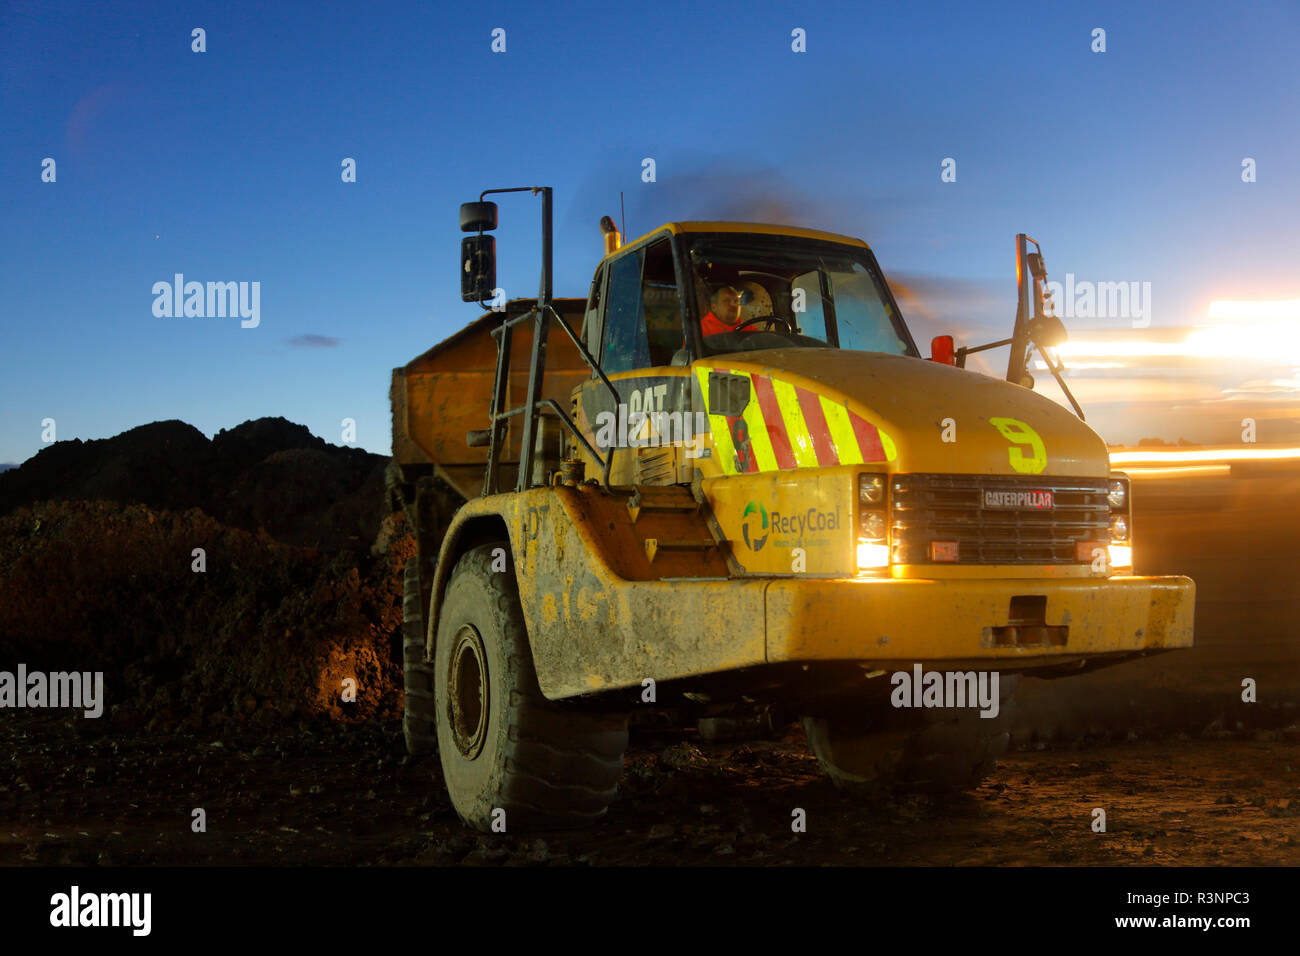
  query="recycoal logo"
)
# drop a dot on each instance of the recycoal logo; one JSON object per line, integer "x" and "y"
{"x": 801, "y": 523}
{"x": 753, "y": 541}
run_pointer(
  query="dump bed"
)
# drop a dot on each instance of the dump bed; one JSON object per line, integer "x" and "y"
{"x": 442, "y": 395}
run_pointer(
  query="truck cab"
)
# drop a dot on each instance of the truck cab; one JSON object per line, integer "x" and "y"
{"x": 820, "y": 406}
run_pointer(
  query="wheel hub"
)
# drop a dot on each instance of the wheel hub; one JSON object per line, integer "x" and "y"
{"x": 467, "y": 692}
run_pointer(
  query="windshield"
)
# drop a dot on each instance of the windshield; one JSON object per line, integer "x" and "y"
{"x": 757, "y": 291}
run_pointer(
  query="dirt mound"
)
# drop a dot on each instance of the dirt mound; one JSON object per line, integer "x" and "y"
{"x": 308, "y": 496}
{"x": 161, "y": 465}
{"x": 263, "y": 628}
{"x": 254, "y": 440}
{"x": 268, "y": 474}
{"x": 98, "y": 572}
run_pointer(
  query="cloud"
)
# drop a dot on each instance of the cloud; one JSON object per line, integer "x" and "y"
{"x": 314, "y": 342}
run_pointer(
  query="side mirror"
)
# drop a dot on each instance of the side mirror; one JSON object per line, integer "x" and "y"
{"x": 478, "y": 267}
{"x": 1047, "y": 331}
{"x": 942, "y": 350}
{"x": 478, "y": 216}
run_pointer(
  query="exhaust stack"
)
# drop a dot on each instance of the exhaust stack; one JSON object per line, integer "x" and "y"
{"x": 613, "y": 241}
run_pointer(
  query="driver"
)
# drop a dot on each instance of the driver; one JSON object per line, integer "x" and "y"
{"x": 724, "y": 312}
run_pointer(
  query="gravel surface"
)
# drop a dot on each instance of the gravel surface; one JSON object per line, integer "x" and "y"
{"x": 334, "y": 794}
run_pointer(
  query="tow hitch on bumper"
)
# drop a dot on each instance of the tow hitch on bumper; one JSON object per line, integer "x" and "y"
{"x": 1036, "y": 622}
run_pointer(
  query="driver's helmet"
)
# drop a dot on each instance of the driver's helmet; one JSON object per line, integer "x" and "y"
{"x": 754, "y": 300}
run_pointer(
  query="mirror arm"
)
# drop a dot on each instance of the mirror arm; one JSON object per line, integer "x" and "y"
{"x": 1055, "y": 366}
{"x": 972, "y": 349}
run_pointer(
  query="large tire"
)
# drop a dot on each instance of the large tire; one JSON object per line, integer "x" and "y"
{"x": 502, "y": 744}
{"x": 926, "y": 750}
{"x": 417, "y": 675}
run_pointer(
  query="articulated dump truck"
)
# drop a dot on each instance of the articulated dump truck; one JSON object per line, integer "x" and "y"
{"x": 728, "y": 477}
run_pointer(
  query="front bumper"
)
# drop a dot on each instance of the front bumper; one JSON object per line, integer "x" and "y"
{"x": 994, "y": 620}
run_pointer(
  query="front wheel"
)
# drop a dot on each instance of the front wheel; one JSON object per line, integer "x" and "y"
{"x": 503, "y": 746}
{"x": 928, "y": 750}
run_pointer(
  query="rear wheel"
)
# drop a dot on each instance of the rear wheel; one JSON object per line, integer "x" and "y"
{"x": 502, "y": 744}
{"x": 417, "y": 674}
{"x": 929, "y": 749}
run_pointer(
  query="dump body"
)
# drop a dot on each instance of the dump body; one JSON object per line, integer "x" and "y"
{"x": 441, "y": 396}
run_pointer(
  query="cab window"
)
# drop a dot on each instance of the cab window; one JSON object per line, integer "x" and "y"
{"x": 591, "y": 336}
{"x": 642, "y": 311}
{"x": 825, "y": 294}
{"x": 626, "y": 346}
{"x": 663, "y": 311}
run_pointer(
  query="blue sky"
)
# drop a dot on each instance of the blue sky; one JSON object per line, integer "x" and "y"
{"x": 225, "y": 166}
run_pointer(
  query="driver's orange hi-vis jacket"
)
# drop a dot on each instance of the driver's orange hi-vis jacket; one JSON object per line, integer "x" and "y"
{"x": 712, "y": 325}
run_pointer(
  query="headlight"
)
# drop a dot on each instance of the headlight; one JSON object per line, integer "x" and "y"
{"x": 872, "y": 554}
{"x": 871, "y": 489}
{"x": 873, "y": 546}
{"x": 1118, "y": 494}
{"x": 873, "y": 550}
{"x": 1121, "y": 524}
{"x": 871, "y": 524}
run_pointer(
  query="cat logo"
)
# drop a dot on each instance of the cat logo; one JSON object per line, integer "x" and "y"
{"x": 754, "y": 542}
{"x": 1034, "y": 500}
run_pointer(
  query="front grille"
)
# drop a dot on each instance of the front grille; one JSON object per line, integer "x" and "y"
{"x": 926, "y": 508}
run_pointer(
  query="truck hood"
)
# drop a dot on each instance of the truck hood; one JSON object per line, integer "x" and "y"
{"x": 928, "y": 417}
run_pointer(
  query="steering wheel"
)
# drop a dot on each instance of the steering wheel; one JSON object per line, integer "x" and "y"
{"x": 764, "y": 318}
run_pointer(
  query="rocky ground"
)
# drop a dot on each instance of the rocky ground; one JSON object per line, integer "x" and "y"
{"x": 339, "y": 794}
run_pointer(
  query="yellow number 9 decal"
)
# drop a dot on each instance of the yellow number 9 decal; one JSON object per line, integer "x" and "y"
{"x": 1018, "y": 433}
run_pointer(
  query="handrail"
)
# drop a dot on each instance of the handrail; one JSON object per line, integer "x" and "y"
{"x": 510, "y": 322}
{"x": 608, "y": 460}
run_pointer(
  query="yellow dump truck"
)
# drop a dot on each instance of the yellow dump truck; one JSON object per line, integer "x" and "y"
{"x": 729, "y": 476}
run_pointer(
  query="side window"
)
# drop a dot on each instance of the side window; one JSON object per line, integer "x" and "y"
{"x": 626, "y": 346}
{"x": 591, "y": 319}
{"x": 643, "y": 319}
{"x": 663, "y": 315}
{"x": 812, "y": 319}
